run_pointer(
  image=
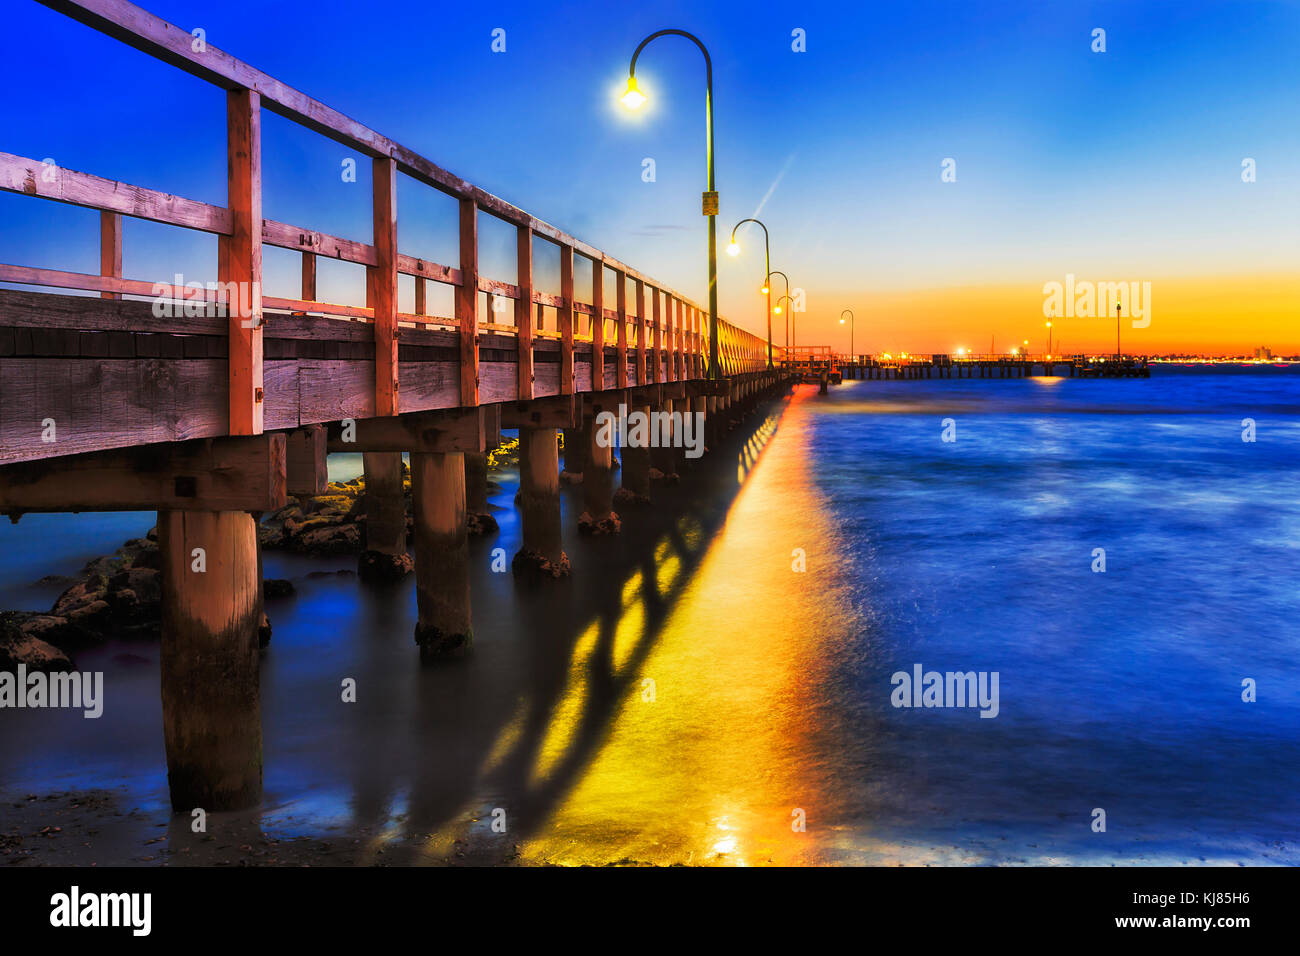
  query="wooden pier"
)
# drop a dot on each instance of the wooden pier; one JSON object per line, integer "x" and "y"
{"x": 912, "y": 367}
{"x": 212, "y": 404}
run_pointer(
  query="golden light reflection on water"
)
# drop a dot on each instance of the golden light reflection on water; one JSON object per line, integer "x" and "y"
{"x": 706, "y": 763}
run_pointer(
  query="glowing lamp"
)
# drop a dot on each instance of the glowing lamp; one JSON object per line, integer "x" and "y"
{"x": 733, "y": 249}
{"x": 633, "y": 98}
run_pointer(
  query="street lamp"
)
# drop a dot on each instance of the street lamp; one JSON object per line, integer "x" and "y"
{"x": 1049, "y": 339}
{"x": 849, "y": 313}
{"x": 633, "y": 99}
{"x": 790, "y": 342}
{"x": 733, "y": 248}
{"x": 768, "y": 285}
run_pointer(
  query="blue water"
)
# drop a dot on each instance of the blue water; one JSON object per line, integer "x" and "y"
{"x": 1119, "y": 691}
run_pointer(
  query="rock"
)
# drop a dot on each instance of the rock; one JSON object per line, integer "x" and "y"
{"x": 17, "y": 647}
{"x": 479, "y": 524}
{"x": 534, "y": 566}
{"x": 378, "y": 567}
{"x": 276, "y": 588}
{"x": 329, "y": 539}
{"x": 610, "y": 524}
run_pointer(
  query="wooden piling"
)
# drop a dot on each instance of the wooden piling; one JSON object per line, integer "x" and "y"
{"x": 212, "y": 723}
{"x": 635, "y": 472}
{"x": 542, "y": 554}
{"x": 383, "y": 555}
{"x": 598, "y": 515}
{"x": 443, "y": 629}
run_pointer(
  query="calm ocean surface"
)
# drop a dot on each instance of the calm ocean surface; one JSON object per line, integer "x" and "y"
{"x": 687, "y": 691}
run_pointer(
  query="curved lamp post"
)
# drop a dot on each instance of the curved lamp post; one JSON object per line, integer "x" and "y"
{"x": 789, "y": 319}
{"x": 733, "y": 249}
{"x": 849, "y": 313}
{"x": 768, "y": 283}
{"x": 632, "y": 99}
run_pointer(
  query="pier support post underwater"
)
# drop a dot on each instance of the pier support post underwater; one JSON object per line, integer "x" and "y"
{"x": 212, "y": 715}
{"x": 383, "y": 557}
{"x": 444, "y": 629}
{"x": 542, "y": 554}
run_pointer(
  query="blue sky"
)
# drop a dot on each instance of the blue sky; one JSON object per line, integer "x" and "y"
{"x": 1124, "y": 164}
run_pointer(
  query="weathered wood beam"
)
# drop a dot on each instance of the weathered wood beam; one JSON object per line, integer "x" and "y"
{"x": 110, "y": 249}
{"x": 556, "y": 411}
{"x": 640, "y": 333}
{"x": 441, "y": 430}
{"x": 467, "y": 302}
{"x": 597, "y": 325}
{"x": 381, "y": 286}
{"x": 620, "y": 377}
{"x": 31, "y": 177}
{"x": 306, "y": 469}
{"x": 524, "y": 310}
{"x": 564, "y": 313}
{"x": 241, "y": 261}
{"x": 213, "y": 474}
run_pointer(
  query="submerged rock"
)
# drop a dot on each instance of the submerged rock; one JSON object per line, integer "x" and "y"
{"x": 20, "y": 647}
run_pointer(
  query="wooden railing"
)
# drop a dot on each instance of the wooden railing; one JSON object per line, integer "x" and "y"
{"x": 664, "y": 332}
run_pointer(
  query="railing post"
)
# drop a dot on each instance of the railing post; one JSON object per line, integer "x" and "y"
{"x": 240, "y": 261}
{"x": 467, "y": 301}
{"x": 564, "y": 319}
{"x": 670, "y": 344}
{"x": 657, "y": 354}
{"x": 524, "y": 311}
{"x": 381, "y": 287}
{"x": 309, "y": 276}
{"x": 598, "y": 325}
{"x": 640, "y": 332}
{"x": 620, "y": 299}
{"x": 110, "y": 249}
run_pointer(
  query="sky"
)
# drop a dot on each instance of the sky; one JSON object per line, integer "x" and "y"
{"x": 1122, "y": 165}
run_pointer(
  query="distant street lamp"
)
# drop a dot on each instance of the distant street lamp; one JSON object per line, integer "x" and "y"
{"x": 785, "y": 278}
{"x": 849, "y": 313}
{"x": 1049, "y": 339}
{"x": 733, "y": 249}
{"x": 633, "y": 99}
{"x": 789, "y": 319}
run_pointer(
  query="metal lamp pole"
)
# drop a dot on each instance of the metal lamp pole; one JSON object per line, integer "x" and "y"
{"x": 634, "y": 98}
{"x": 734, "y": 249}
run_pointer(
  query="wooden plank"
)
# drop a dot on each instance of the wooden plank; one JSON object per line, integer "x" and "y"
{"x": 55, "y": 278}
{"x": 284, "y": 236}
{"x": 419, "y": 296}
{"x": 241, "y": 260}
{"x": 49, "y": 311}
{"x": 620, "y": 346}
{"x": 306, "y": 470}
{"x": 673, "y": 323}
{"x": 108, "y": 403}
{"x": 409, "y": 265}
{"x": 450, "y": 430}
{"x": 467, "y": 302}
{"x": 32, "y": 177}
{"x": 381, "y": 286}
{"x": 564, "y": 316}
{"x": 524, "y": 311}
{"x": 110, "y": 249}
{"x": 215, "y": 474}
{"x": 598, "y": 324}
